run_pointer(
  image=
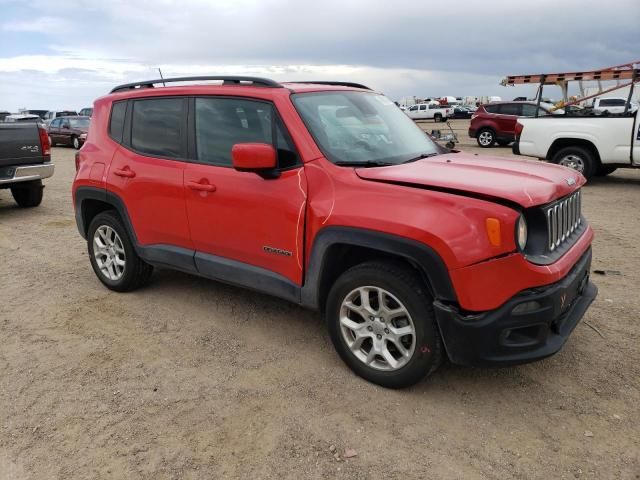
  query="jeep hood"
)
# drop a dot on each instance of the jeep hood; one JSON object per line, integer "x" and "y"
{"x": 525, "y": 182}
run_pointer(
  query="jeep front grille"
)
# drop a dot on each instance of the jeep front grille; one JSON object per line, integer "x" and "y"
{"x": 563, "y": 218}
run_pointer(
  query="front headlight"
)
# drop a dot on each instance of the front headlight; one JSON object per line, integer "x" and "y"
{"x": 521, "y": 232}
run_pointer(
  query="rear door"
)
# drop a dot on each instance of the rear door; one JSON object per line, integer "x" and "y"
{"x": 242, "y": 216}
{"x": 507, "y": 118}
{"x": 147, "y": 170}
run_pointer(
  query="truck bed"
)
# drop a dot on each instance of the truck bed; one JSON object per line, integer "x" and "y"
{"x": 20, "y": 145}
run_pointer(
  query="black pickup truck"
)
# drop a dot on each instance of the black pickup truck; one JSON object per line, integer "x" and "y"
{"x": 25, "y": 159}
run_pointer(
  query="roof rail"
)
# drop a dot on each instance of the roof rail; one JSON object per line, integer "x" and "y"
{"x": 226, "y": 80}
{"x": 342, "y": 84}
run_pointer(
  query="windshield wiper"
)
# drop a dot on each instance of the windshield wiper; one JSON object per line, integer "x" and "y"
{"x": 420, "y": 157}
{"x": 367, "y": 163}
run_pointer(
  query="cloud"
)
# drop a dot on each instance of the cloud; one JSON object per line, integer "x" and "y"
{"x": 402, "y": 47}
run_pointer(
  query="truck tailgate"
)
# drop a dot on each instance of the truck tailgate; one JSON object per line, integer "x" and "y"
{"x": 20, "y": 144}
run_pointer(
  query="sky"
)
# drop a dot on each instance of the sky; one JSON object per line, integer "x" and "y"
{"x": 62, "y": 54}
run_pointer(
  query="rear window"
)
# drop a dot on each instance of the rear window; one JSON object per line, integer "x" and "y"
{"x": 612, "y": 102}
{"x": 116, "y": 123}
{"x": 156, "y": 127}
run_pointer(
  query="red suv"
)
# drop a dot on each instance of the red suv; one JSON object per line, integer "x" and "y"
{"x": 328, "y": 195}
{"x": 496, "y": 122}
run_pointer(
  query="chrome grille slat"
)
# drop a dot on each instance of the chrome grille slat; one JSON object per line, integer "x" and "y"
{"x": 563, "y": 218}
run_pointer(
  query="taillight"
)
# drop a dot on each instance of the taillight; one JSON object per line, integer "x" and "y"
{"x": 44, "y": 141}
{"x": 519, "y": 128}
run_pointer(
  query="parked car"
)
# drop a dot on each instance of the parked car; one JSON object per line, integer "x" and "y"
{"x": 3, "y": 115}
{"x": 612, "y": 105}
{"x": 461, "y": 112}
{"x": 327, "y": 195}
{"x": 52, "y": 114}
{"x": 86, "y": 112}
{"x": 40, "y": 113}
{"x": 70, "y": 131}
{"x": 592, "y": 145}
{"x": 425, "y": 111}
{"x": 496, "y": 122}
{"x": 25, "y": 160}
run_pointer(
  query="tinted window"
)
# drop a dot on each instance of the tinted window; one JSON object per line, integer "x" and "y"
{"x": 116, "y": 123}
{"x": 529, "y": 110}
{"x": 510, "y": 109}
{"x": 491, "y": 108}
{"x": 55, "y": 123}
{"x": 415, "y": 107}
{"x": 612, "y": 102}
{"x": 223, "y": 122}
{"x": 156, "y": 127}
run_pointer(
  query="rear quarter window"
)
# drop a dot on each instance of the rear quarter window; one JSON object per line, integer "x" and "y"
{"x": 491, "y": 108}
{"x": 116, "y": 122}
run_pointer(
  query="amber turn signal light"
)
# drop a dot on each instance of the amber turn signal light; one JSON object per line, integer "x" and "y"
{"x": 493, "y": 231}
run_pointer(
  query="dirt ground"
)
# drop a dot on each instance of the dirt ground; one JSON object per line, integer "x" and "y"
{"x": 189, "y": 378}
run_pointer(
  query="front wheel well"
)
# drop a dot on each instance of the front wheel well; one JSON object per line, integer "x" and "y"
{"x": 561, "y": 143}
{"x": 342, "y": 257}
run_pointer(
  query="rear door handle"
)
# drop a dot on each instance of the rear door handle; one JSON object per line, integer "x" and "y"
{"x": 202, "y": 187}
{"x": 124, "y": 172}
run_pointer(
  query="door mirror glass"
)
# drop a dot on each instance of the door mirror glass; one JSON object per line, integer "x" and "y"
{"x": 253, "y": 157}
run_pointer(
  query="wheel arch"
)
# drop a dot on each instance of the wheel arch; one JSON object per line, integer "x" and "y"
{"x": 90, "y": 201}
{"x": 336, "y": 249}
{"x": 561, "y": 143}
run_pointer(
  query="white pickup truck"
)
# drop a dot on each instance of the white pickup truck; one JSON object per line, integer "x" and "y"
{"x": 424, "y": 111}
{"x": 593, "y": 145}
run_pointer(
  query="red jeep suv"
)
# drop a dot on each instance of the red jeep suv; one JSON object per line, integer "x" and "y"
{"x": 326, "y": 194}
{"x": 496, "y": 122}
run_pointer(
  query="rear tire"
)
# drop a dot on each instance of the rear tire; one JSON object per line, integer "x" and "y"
{"x": 28, "y": 194}
{"x": 359, "y": 332}
{"x": 577, "y": 158}
{"x": 437, "y": 118}
{"x": 486, "y": 138}
{"x": 112, "y": 255}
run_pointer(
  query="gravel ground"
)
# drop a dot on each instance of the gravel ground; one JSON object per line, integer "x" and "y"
{"x": 189, "y": 378}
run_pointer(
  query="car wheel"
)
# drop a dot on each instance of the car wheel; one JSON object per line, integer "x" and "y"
{"x": 51, "y": 141}
{"x": 605, "y": 170}
{"x": 382, "y": 324}
{"x": 577, "y": 158}
{"x": 486, "y": 138}
{"x": 113, "y": 257}
{"x": 437, "y": 118}
{"x": 75, "y": 141}
{"x": 28, "y": 194}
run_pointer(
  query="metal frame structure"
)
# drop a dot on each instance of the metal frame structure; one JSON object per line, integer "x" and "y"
{"x": 626, "y": 71}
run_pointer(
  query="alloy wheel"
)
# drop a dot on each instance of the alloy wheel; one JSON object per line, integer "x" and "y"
{"x": 108, "y": 252}
{"x": 377, "y": 328}
{"x": 485, "y": 138}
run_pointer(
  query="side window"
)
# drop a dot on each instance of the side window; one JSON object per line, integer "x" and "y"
{"x": 529, "y": 110}
{"x": 491, "y": 108}
{"x": 55, "y": 123}
{"x": 65, "y": 124}
{"x": 156, "y": 127}
{"x": 116, "y": 122}
{"x": 510, "y": 109}
{"x": 220, "y": 123}
{"x": 414, "y": 108}
{"x": 423, "y": 107}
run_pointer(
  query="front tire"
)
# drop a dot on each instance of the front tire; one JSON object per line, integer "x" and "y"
{"x": 28, "y": 194}
{"x": 51, "y": 142}
{"x": 113, "y": 257}
{"x": 75, "y": 141}
{"x": 486, "y": 138}
{"x": 382, "y": 324}
{"x": 577, "y": 158}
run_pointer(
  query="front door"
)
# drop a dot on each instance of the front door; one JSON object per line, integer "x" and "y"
{"x": 244, "y": 217}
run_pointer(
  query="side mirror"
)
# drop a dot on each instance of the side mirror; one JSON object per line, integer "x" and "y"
{"x": 253, "y": 157}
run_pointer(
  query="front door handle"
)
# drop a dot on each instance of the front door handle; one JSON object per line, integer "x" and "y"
{"x": 201, "y": 187}
{"x": 124, "y": 172}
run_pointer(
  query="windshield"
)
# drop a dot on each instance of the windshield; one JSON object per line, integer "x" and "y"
{"x": 362, "y": 127}
{"x": 79, "y": 122}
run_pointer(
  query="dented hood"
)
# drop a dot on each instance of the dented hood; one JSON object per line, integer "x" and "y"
{"x": 525, "y": 182}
